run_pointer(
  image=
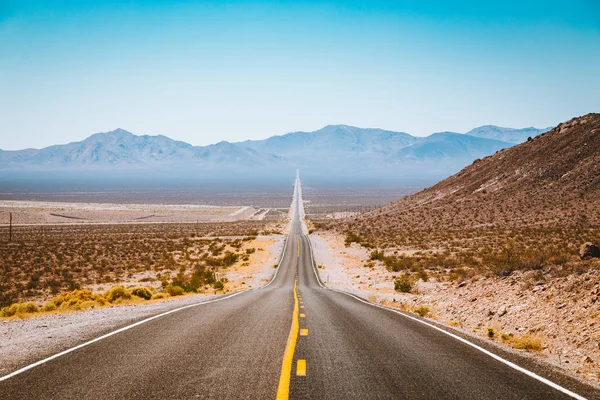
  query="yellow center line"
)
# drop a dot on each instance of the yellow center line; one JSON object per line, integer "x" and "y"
{"x": 283, "y": 390}
{"x": 304, "y": 332}
{"x": 301, "y": 368}
{"x": 302, "y": 315}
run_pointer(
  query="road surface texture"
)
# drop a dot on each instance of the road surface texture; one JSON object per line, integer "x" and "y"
{"x": 293, "y": 338}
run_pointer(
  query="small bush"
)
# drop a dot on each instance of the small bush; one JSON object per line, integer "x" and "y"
{"x": 352, "y": 237}
{"x": 377, "y": 255}
{"x": 142, "y": 292}
{"x": 174, "y": 290}
{"x": 422, "y": 311}
{"x": 19, "y": 309}
{"x": 117, "y": 293}
{"x": 490, "y": 333}
{"x": 49, "y": 306}
{"x": 403, "y": 284}
{"x": 528, "y": 343}
{"x": 219, "y": 285}
{"x": 73, "y": 299}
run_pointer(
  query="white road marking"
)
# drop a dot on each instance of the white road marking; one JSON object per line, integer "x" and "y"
{"x": 460, "y": 339}
{"x": 280, "y": 261}
{"x": 62, "y": 353}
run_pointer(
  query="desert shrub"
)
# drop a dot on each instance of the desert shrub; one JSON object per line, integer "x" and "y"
{"x": 49, "y": 306}
{"x": 27, "y": 308}
{"x": 8, "y": 311}
{"x": 397, "y": 264}
{"x": 352, "y": 237}
{"x": 403, "y": 284}
{"x": 19, "y": 309}
{"x": 490, "y": 333}
{"x": 504, "y": 261}
{"x": 73, "y": 299}
{"x": 117, "y": 293}
{"x": 219, "y": 285}
{"x": 142, "y": 292}
{"x": 528, "y": 343}
{"x": 229, "y": 259}
{"x": 423, "y": 275}
{"x": 506, "y": 337}
{"x": 422, "y": 311}
{"x": 376, "y": 255}
{"x": 174, "y": 290}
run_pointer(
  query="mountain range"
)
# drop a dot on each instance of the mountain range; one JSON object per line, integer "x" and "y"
{"x": 334, "y": 149}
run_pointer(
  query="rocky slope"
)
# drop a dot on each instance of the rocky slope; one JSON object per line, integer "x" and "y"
{"x": 550, "y": 180}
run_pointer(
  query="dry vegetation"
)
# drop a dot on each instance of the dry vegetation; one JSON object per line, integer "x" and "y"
{"x": 43, "y": 261}
{"x": 459, "y": 255}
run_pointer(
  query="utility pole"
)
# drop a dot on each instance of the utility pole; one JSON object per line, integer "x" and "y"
{"x": 10, "y": 229}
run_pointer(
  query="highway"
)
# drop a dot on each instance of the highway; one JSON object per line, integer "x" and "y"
{"x": 294, "y": 339}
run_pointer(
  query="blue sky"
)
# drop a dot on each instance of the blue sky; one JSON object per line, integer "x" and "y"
{"x": 208, "y": 71}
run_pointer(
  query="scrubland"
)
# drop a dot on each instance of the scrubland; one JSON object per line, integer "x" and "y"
{"x": 46, "y": 268}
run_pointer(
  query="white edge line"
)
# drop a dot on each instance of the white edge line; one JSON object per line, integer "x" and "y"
{"x": 279, "y": 264}
{"x": 312, "y": 260}
{"x": 125, "y": 328}
{"x": 460, "y": 339}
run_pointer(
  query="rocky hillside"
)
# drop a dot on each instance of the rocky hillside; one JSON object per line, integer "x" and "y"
{"x": 550, "y": 180}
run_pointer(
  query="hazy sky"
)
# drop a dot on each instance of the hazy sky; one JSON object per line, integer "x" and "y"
{"x": 208, "y": 71}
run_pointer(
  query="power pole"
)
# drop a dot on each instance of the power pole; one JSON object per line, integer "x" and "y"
{"x": 10, "y": 229}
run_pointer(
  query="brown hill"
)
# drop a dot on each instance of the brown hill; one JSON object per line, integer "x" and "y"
{"x": 552, "y": 180}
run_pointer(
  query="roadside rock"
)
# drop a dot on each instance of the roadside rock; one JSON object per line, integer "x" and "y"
{"x": 589, "y": 250}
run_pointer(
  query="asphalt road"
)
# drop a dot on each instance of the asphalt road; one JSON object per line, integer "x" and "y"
{"x": 239, "y": 347}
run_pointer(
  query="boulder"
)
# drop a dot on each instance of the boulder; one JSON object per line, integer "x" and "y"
{"x": 589, "y": 250}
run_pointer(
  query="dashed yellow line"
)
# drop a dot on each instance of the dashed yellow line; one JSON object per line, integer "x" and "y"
{"x": 304, "y": 332}
{"x": 283, "y": 390}
{"x": 301, "y": 368}
{"x": 302, "y": 315}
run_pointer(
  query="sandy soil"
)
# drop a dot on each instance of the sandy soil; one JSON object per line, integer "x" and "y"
{"x": 33, "y": 213}
{"x": 562, "y": 313}
{"x": 259, "y": 270}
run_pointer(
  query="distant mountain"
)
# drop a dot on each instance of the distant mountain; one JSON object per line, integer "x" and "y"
{"x": 334, "y": 150}
{"x": 445, "y": 146}
{"x": 509, "y": 135}
{"x": 124, "y": 150}
{"x": 551, "y": 180}
{"x": 339, "y": 141}
{"x": 346, "y": 148}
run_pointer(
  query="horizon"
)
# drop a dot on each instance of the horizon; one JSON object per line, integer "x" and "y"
{"x": 77, "y": 140}
{"x": 212, "y": 71}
